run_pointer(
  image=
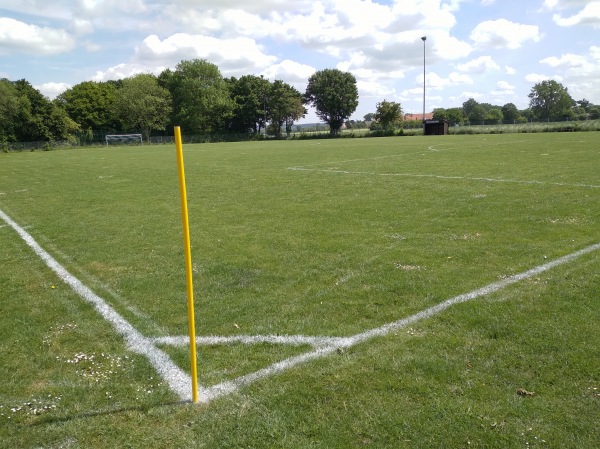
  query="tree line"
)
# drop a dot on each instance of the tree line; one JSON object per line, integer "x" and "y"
{"x": 548, "y": 101}
{"x": 194, "y": 96}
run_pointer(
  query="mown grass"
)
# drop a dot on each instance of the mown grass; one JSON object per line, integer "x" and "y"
{"x": 360, "y": 233}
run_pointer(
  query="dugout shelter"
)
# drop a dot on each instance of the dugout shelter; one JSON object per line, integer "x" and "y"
{"x": 436, "y": 127}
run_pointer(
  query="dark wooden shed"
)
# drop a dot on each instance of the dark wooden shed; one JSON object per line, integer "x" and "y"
{"x": 436, "y": 127}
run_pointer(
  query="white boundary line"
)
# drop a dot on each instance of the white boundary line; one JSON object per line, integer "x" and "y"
{"x": 467, "y": 178}
{"x": 292, "y": 340}
{"x": 322, "y": 351}
{"x": 180, "y": 382}
{"x": 177, "y": 379}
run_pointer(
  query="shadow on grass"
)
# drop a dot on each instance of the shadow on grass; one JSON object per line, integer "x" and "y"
{"x": 110, "y": 412}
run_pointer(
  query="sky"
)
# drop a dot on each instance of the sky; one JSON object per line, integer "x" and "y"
{"x": 494, "y": 51}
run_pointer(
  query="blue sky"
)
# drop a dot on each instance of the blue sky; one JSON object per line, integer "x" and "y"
{"x": 492, "y": 50}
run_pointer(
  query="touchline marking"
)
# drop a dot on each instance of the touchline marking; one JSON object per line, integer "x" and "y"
{"x": 178, "y": 380}
{"x": 413, "y": 175}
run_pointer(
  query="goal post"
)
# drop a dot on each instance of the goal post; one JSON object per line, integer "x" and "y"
{"x": 123, "y": 139}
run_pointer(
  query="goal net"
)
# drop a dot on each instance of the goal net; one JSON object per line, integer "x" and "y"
{"x": 123, "y": 139}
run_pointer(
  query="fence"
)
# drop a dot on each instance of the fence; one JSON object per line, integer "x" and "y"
{"x": 529, "y": 127}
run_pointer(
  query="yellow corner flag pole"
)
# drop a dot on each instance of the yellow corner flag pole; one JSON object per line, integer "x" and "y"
{"x": 188, "y": 262}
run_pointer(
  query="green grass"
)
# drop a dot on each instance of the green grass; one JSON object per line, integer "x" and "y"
{"x": 361, "y": 233}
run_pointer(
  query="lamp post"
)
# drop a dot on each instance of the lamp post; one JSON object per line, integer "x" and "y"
{"x": 424, "y": 38}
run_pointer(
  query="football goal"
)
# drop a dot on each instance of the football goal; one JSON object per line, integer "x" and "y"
{"x": 124, "y": 139}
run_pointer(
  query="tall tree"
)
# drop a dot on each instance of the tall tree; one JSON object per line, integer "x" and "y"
{"x": 493, "y": 115}
{"x": 510, "y": 113}
{"x": 285, "y": 106}
{"x": 249, "y": 94}
{"x": 334, "y": 95}
{"x": 13, "y": 110}
{"x": 90, "y": 104}
{"x": 388, "y": 115}
{"x": 369, "y": 117}
{"x": 201, "y": 98}
{"x": 40, "y": 108}
{"x": 468, "y": 106}
{"x": 61, "y": 126}
{"x": 476, "y": 114}
{"x": 143, "y": 105}
{"x": 455, "y": 116}
{"x": 550, "y": 99}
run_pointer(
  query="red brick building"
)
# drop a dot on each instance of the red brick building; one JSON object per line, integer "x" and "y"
{"x": 419, "y": 117}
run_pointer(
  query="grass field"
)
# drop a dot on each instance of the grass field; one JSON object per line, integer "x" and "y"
{"x": 295, "y": 240}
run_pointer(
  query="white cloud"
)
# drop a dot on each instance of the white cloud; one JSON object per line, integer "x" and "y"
{"x": 538, "y": 78}
{"x": 436, "y": 82}
{"x": 589, "y": 15}
{"x": 57, "y": 9}
{"x": 464, "y": 96}
{"x": 16, "y": 37}
{"x": 567, "y": 60}
{"x": 503, "y": 33}
{"x": 121, "y": 71}
{"x": 479, "y": 65}
{"x": 449, "y": 47}
{"x": 238, "y": 56}
{"x": 579, "y": 72}
{"x": 81, "y": 26}
{"x": 94, "y": 9}
{"x": 291, "y": 72}
{"x": 509, "y": 70}
{"x": 376, "y": 90}
{"x": 564, "y": 4}
{"x": 52, "y": 90}
{"x": 504, "y": 85}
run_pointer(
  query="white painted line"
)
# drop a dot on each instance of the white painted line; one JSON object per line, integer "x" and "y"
{"x": 484, "y": 291}
{"x": 467, "y": 178}
{"x": 292, "y": 340}
{"x": 177, "y": 379}
{"x": 225, "y": 388}
{"x": 180, "y": 382}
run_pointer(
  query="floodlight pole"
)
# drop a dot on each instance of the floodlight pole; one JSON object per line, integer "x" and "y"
{"x": 424, "y": 38}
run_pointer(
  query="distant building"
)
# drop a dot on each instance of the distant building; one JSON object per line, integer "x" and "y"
{"x": 428, "y": 116}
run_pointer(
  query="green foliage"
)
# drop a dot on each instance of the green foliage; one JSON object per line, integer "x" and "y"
{"x": 388, "y": 115}
{"x": 550, "y": 99}
{"x": 61, "y": 125}
{"x": 494, "y": 115}
{"x": 285, "y": 106}
{"x": 10, "y": 110}
{"x": 454, "y": 116}
{"x": 468, "y": 106}
{"x": 334, "y": 95}
{"x": 91, "y": 105}
{"x": 143, "y": 105}
{"x": 201, "y": 97}
{"x": 250, "y": 95}
{"x": 510, "y": 113}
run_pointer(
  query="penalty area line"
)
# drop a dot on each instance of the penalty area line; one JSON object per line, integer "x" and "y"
{"x": 230, "y": 387}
